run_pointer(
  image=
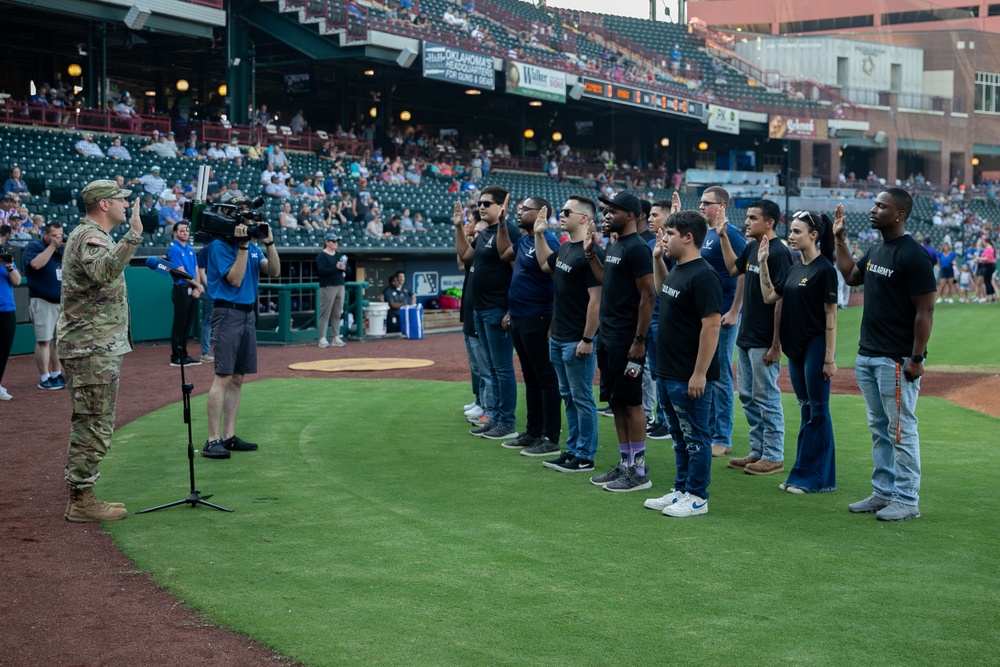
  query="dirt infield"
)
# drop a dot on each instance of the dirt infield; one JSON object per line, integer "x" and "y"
{"x": 69, "y": 597}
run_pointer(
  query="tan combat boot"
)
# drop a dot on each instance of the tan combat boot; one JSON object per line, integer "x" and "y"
{"x": 83, "y": 507}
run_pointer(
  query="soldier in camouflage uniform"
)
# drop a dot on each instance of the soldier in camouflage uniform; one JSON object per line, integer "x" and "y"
{"x": 93, "y": 334}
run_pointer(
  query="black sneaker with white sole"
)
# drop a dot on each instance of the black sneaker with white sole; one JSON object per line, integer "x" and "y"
{"x": 563, "y": 458}
{"x": 215, "y": 449}
{"x": 660, "y": 432}
{"x": 479, "y": 430}
{"x": 575, "y": 465}
{"x": 499, "y": 432}
{"x": 632, "y": 480}
{"x": 616, "y": 471}
{"x": 520, "y": 442}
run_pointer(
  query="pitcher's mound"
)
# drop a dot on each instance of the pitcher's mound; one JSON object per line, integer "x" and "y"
{"x": 360, "y": 364}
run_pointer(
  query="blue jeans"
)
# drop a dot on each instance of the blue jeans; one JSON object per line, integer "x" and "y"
{"x": 660, "y": 414}
{"x": 481, "y": 385}
{"x": 815, "y": 466}
{"x": 498, "y": 350}
{"x": 691, "y": 429}
{"x": 576, "y": 386}
{"x": 722, "y": 389}
{"x": 205, "y": 338}
{"x": 761, "y": 399}
{"x": 891, "y": 419}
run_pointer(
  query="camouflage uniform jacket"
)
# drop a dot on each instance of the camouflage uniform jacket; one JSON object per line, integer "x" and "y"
{"x": 95, "y": 313}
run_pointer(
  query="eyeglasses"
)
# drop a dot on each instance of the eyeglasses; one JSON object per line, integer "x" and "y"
{"x": 523, "y": 209}
{"x": 486, "y": 203}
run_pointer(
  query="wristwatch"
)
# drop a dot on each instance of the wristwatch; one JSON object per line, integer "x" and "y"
{"x": 586, "y": 340}
{"x": 918, "y": 358}
{"x": 640, "y": 338}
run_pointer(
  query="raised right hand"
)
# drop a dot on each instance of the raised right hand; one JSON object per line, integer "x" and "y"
{"x": 542, "y": 221}
{"x": 839, "y": 222}
{"x": 763, "y": 251}
{"x": 456, "y": 214}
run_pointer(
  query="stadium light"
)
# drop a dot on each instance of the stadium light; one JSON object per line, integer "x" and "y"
{"x": 557, "y": 136}
{"x": 703, "y": 145}
{"x": 150, "y": 93}
{"x": 664, "y": 142}
{"x": 975, "y": 162}
{"x": 373, "y": 112}
{"x": 74, "y": 70}
{"x": 405, "y": 115}
{"x": 535, "y": 103}
{"x": 182, "y": 85}
{"x": 369, "y": 72}
{"x": 223, "y": 90}
{"x": 529, "y": 133}
{"x": 473, "y": 91}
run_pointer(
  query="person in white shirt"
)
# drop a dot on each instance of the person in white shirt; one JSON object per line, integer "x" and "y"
{"x": 265, "y": 176}
{"x": 232, "y": 150}
{"x": 214, "y": 152}
{"x": 87, "y": 148}
{"x": 117, "y": 151}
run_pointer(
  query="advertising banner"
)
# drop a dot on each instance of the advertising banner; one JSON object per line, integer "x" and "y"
{"x": 446, "y": 63}
{"x": 723, "y": 119}
{"x": 538, "y": 82}
{"x": 781, "y": 127}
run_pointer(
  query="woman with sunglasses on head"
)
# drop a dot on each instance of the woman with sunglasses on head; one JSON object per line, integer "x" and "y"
{"x": 808, "y": 333}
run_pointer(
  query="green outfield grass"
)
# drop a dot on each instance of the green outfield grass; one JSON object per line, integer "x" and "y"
{"x": 371, "y": 529}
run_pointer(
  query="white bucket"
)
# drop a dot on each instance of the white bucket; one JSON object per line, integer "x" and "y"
{"x": 376, "y": 314}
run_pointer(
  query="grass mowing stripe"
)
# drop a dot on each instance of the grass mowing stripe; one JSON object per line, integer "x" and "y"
{"x": 372, "y": 529}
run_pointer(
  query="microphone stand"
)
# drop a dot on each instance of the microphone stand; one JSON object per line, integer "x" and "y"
{"x": 194, "y": 497}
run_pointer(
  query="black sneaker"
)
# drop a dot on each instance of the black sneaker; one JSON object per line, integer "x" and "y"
{"x": 48, "y": 385}
{"x": 188, "y": 361}
{"x": 616, "y": 471}
{"x": 632, "y": 480}
{"x": 479, "y": 430}
{"x": 544, "y": 447}
{"x": 555, "y": 463}
{"x": 236, "y": 444}
{"x": 500, "y": 432}
{"x": 215, "y": 449}
{"x": 660, "y": 432}
{"x": 175, "y": 362}
{"x": 575, "y": 465}
{"x": 606, "y": 411}
{"x": 521, "y": 441}
{"x": 58, "y": 382}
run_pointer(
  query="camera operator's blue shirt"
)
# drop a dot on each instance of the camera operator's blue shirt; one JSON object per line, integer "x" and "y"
{"x": 220, "y": 257}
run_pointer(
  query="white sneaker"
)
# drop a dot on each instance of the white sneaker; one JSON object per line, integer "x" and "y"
{"x": 4, "y": 396}
{"x": 660, "y": 503}
{"x": 338, "y": 342}
{"x": 689, "y": 505}
{"x": 474, "y": 413}
{"x": 324, "y": 342}
{"x": 938, "y": 300}
{"x": 951, "y": 300}
{"x": 466, "y": 408}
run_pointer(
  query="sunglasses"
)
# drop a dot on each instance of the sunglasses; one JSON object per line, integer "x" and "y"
{"x": 804, "y": 215}
{"x": 487, "y": 204}
{"x": 568, "y": 212}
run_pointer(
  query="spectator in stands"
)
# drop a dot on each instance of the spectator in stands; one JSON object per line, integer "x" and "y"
{"x": 374, "y": 228}
{"x": 58, "y": 101}
{"x": 232, "y": 149}
{"x": 276, "y": 159}
{"x": 15, "y": 184}
{"x": 214, "y": 152}
{"x": 161, "y": 147}
{"x": 117, "y": 151}
{"x": 256, "y": 151}
{"x": 232, "y": 192}
{"x": 42, "y": 260}
{"x": 7, "y": 207}
{"x": 171, "y": 143}
{"x": 306, "y": 219}
{"x": 262, "y": 117}
{"x": 9, "y": 279}
{"x": 298, "y": 123}
{"x": 265, "y": 176}
{"x": 277, "y": 189}
{"x": 126, "y": 110}
{"x": 286, "y": 219}
{"x": 151, "y": 182}
{"x": 87, "y": 148}
{"x": 169, "y": 214}
{"x": 395, "y": 226}
{"x": 347, "y": 207}
{"x": 285, "y": 176}
{"x": 191, "y": 149}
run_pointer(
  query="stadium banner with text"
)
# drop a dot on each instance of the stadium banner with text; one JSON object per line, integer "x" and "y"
{"x": 637, "y": 97}
{"x": 723, "y": 119}
{"x": 781, "y": 127}
{"x": 538, "y": 82}
{"x": 446, "y": 63}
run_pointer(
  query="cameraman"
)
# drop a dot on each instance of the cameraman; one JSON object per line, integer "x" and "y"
{"x": 232, "y": 267}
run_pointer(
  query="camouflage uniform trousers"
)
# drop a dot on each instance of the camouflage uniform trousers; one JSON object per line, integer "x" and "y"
{"x": 93, "y": 390}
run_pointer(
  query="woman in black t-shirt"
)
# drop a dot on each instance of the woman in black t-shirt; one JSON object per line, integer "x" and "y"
{"x": 808, "y": 332}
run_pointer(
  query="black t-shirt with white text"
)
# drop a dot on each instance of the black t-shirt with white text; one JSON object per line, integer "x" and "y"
{"x": 805, "y": 291}
{"x": 757, "y": 325}
{"x": 490, "y": 274}
{"x": 627, "y": 260}
{"x": 893, "y": 271}
{"x": 690, "y": 292}
{"x": 573, "y": 277}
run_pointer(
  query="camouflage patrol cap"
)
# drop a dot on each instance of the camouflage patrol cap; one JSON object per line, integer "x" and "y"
{"x": 95, "y": 191}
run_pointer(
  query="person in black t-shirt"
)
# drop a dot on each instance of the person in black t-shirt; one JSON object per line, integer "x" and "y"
{"x": 481, "y": 386}
{"x": 491, "y": 280}
{"x": 626, "y": 309}
{"x": 808, "y": 329}
{"x": 574, "y": 327}
{"x": 758, "y": 348}
{"x": 896, "y": 324}
{"x": 687, "y": 357}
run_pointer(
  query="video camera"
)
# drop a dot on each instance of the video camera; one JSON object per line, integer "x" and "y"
{"x": 219, "y": 221}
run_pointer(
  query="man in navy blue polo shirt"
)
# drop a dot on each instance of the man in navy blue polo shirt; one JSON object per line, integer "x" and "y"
{"x": 42, "y": 261}
{"x": 232, "y": 271}
{"x": 185, "y": 294}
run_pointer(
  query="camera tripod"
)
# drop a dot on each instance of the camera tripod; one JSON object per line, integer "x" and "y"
{"x": 194, "y": 497}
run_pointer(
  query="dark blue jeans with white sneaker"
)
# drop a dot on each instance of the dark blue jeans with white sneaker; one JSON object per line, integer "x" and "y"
{"x": 498, "y": 349}
{"x": 690, "y": 422}
{"x": 815, "y": 466}
{"x": 576, "y": 386}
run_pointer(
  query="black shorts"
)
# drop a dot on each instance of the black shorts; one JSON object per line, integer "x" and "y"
{"x": 616, "y": 387}
{"x": 234, "y": 341}
{"x": 946, "y": 272}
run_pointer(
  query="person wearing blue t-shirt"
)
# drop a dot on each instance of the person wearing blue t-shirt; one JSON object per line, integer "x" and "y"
{"x": 184, "y": 295}
{"x": 713, "y": 200}
{"x": 231, "y": 270}
{"x": 10, "y": 277}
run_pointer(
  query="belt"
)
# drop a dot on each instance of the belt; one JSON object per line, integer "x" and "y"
{"x": 245, "y": 307}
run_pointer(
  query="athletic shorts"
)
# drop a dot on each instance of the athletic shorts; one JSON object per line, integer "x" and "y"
{"x": 44, "y": 315}
{"x": 616, "y": 387}
{"x": 946, "y": 272}
{"x": 234, "y": 341}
